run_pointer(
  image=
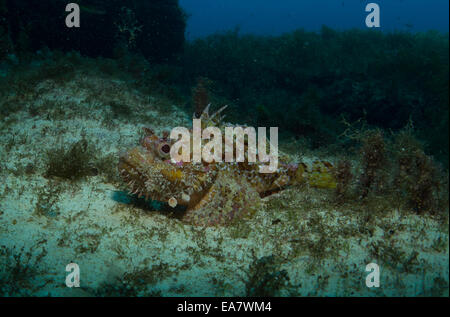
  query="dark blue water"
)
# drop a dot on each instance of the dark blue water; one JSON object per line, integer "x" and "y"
{"x": 272, "y": 17}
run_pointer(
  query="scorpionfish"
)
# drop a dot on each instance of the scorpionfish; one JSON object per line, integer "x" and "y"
{"x": 217, "y": 193}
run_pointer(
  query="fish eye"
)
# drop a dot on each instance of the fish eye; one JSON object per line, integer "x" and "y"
{"x": 164, "y": 149}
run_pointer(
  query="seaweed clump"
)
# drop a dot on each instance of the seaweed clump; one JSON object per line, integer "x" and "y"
{"x": 200, "y": 96}
{"x": 265, "y": 279}
{"x": 72, "y": 163}
{"x": 396, "y": 168}
{"x": 18, "y": 273}
{"x": 373, "y": 159}
{"x": 418, "y": 177}
{"x": 414, "y": 178}
{"x": 343, "y": 175}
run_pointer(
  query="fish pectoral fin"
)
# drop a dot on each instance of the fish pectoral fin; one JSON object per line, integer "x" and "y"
{"x": 198, "y": 200}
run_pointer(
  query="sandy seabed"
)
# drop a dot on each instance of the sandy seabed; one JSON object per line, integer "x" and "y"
{"x": 297, "y": 245}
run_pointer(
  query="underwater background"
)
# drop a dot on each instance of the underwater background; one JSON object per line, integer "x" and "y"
{"x": 363, "y": 120}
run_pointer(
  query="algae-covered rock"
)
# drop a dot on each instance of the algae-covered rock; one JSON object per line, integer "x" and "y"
{"x": 155, "y": 28}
